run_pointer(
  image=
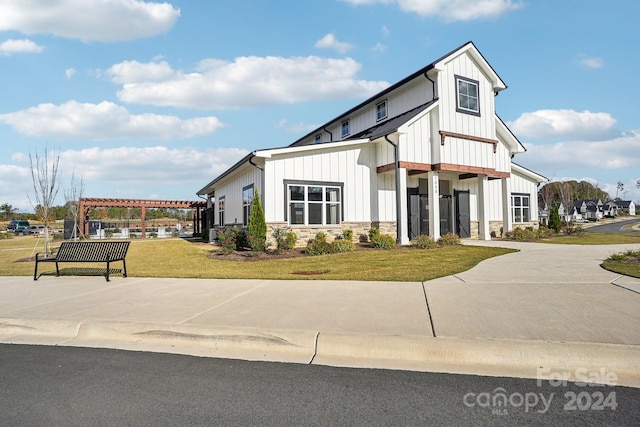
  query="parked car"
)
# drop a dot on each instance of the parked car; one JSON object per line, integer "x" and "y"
{"x": 36, "y": 229}
{"x": 18, "y": 226}
{"x": 580, "y": 220}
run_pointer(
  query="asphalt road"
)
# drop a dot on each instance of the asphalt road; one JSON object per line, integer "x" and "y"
{"x": 66, "y": 386}
{"x": 614, "y": 227}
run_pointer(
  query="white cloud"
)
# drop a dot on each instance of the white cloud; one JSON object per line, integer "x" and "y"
{"x": 103, "y": 121}
{"x": 69, "y": 72}
{"x": 150, "y": 166}
{"x": 137, "y": 172}
{"x": 590, "y": 62}
{"x": 450, "y": 10}
{"x": 608, "y": 154}
{"x": 330, "y": 42}
{"x": 567, "y": 124}
{"x": 379, "y": 47}
{"x": 88, "y": 20}
{"x": 246, "y": 82}
{"x": 12, "y": 46}
{"x": 297, "y": 128}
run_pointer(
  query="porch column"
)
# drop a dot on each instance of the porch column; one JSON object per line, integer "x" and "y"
{"x": 483, "y": 208}
{"x": 403, "y": 222}
{"x": 434, "y": 204}
{"x": 506, "y": 205}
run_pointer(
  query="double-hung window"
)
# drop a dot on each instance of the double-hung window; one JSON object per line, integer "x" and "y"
{"x": 345, "y": 129}
{"x": 520, "y": 208}
{"x": 221, "y": 211}
{"x": 467, "y": 96}
{"x": 381, "y": 111}
{"x": 247, "y": 200}
{"x": 314, "y": 204}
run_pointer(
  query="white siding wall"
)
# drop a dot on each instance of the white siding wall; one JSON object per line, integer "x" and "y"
{"x": 231, "y": 190}
{"x": 415, "y": 144}
{"x": 409, "y": 96}
{"x": 351, "y": 167}
{"x": 520, "y": 184}
{"x": 462, "y": 151}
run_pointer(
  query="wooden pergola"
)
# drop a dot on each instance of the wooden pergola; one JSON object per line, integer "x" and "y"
{"x": 86, "y": 204}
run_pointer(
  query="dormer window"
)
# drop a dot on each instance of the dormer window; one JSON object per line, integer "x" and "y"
{"x": 381, "y": 110}
{"x": 345, "y": 128}
{"x": 468, "y": 96}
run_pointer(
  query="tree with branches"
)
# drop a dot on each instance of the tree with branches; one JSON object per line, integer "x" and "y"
{"x": 44, "y": 174}
{"x": 72, "y": 197}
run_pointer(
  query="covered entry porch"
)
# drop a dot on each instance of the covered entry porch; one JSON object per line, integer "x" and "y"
{"x": 439, "y": 199}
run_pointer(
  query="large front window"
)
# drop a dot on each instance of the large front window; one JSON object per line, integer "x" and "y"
{"x": 311, "y": 204}
{"x": 520, "y": 208}
{"x": 247, "y": 200}
{"x": 468, "y": 98}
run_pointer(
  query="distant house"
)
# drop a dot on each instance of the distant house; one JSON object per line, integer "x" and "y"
{"x": 610, "y": 209}
{"x": 627, "y": 206}
{"x": 428, "y": 155}
{"x": 545, "y": 213}
{"x": 594, "y": 210}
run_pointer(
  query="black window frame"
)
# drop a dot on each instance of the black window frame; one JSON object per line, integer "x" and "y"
{"x": 221, "y": 211}
{"x": 524, "y": 219}
{"x": 246, "y": 207}
{"x": 305, "y": 202}
{"x": 386, "y": 110}
{"x": 462, "y": 109}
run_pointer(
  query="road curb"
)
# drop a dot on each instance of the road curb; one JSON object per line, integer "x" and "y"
{"x": 570, "y": 361}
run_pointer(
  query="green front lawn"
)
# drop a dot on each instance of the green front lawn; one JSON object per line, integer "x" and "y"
{"x": 183, "y": 259}
{"x": 588, "y": 238}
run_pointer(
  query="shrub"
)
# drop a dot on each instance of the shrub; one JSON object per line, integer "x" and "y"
{"x": 241, "y": 238}
{"x": 522, "y": 234}
{"x": 573, "y": 230}
{"x": 348, "y": 234}
{"x": 555, "y": 223}
{"x": 449, "y": 239}
{"x": 373, "y": 233}
{"x": 617, "y": 257}
{"x": 285, "y": 239}
{"x": 544, "y": 232}
{"x": 318, "y": 245}
{"x": 290, "y": 240}
{"x": 383, "y": 241}
{"x": 257, "y": 227}
{"x": 423, "y": 242}
{"x": 342, "y": 245}
{"x": 228, "y": 240}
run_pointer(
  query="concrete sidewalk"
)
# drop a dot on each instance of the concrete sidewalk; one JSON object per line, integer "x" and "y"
{"x": 543, "y": 311}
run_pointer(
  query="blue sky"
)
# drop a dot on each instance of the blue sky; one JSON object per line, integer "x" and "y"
{"x": 153, "y": 100}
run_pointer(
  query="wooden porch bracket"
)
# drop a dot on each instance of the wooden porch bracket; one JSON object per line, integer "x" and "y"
{"x": 444, "y": 134}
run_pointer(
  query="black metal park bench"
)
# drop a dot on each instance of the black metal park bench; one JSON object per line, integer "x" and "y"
{"x": 88, "y": 251}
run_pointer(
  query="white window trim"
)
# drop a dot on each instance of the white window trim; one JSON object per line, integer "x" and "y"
{"x": 348, "y": 132}
{"x": 221, "y": 202}
{"x": 306, "y": 202}
{"x": 386, "y": 110}
{"x": 521, "y": 208}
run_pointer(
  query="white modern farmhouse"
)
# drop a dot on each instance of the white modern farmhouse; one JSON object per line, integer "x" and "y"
{"x": 428, "y": 155}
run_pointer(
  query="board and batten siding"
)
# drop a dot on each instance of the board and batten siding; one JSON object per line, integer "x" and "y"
{"x": 469, "y": 153}
{"x": 231, "y": 190}
{"x": 350, "y": 167}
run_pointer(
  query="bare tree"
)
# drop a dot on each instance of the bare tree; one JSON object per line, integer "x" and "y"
{"x": 619, "y": 188}
{"x": 567, "y": 194}
{"x": 72, "y": 197}
{"x": 44, "y": 174}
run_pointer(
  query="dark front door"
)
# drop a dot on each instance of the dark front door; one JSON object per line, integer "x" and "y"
{"x": 418, "y": 213}
{"x": 445, "y": 215}
{"x": 463, "y": 216}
